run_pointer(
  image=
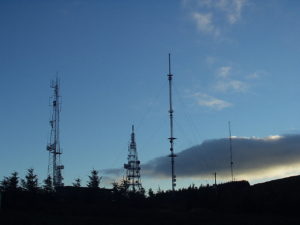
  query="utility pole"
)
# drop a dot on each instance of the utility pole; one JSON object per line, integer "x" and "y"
{"x": 54, "y": 145}
{"x": 171, "y": 138}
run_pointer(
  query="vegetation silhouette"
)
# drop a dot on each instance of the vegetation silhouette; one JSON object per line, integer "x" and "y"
{"x": 274, "y": 202}
{"x": 48, "y": 184}
{"x": 94, "y": 179}
{"x": 77, "y": 182}
{"x": 30, "y": 183}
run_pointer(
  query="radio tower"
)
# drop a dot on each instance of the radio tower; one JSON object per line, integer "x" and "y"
{"x": 54, "y": 146}
{"x": 133, "y": 168}
{"x": 171, "y": 138}
{"x": 230, "y": 149}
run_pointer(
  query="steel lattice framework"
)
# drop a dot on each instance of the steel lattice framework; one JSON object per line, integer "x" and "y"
{"x": 54, "y": 166}
{"x": 133, "y": 176}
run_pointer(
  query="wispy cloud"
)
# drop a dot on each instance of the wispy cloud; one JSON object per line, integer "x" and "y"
{"x": 205, "y": 24}
{"x": 254, "y": 75}
{"x": 225, "y": 82}
{"x": 210, "y": 101}
{"x": 224, "y": 71}
{"x": 232, "y": 9}
{"x": 210, "y": 60}
{"x": 231, "y": 85}
{"x": 209, "y": 14}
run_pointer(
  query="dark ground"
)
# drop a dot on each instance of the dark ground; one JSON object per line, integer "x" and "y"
{"x": 275, "y": 202}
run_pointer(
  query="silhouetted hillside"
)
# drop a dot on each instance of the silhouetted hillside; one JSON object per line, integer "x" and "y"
{"x": 278, "y": 196}
{"x": 274, "y": 202}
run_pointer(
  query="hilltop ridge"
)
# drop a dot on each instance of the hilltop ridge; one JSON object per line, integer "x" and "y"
{"x": 272, "y": 202}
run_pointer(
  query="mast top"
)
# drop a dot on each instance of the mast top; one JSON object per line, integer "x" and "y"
{"x": 132, "y": 144}
{"x": 170, "y": 65}
{"x": 170, "y": 75}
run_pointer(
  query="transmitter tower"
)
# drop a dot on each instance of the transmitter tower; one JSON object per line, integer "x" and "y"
{"x": 133, "y": 176}
{"x": 171, "y": 138}
{"x": 54, "y": 166}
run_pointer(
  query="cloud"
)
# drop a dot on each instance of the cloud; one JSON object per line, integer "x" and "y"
{"x": 225, "y": 83}
{"x": 209, "y": 14}
{"x": 115, "y": 171}
{"x": 107, "y": 181}
{"x": 231, "y": 85}
{"x": 232, "y": 9}
{"x": 210, "y": 60}
{"x": 224, "y": 71}
{"x": 204, "y": 23}
{"x": 211, "y": 102}
{"x": 257, "y": 74}
{"x": 253, "y": 157}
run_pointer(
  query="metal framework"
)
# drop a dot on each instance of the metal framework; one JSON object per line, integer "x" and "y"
{"x": 230, "y": 149}
{"x": 54, "y": 166}
{"x": 171, "y": 138}
{"x": 133, "y": 176}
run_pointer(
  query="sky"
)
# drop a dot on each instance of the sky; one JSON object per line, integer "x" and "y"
{"x": 232, "y": 60}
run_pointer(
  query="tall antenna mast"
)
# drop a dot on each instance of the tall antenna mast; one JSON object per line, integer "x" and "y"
{"x": 133, "y": 168}
{"x": 230, "y": 149}
{"x": 171, "y": 138}
{"x": 54, "y": 146}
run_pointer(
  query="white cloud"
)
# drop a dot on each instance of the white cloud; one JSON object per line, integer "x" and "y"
{"x": 224, "y": 71}
{"x": 254, "y": 75}
{"x": 231, "y": 85}
{"x": 204, "y": 12}
{"x": 211, "y": 102}
{"x": 225, "y": 83}
{"x": 210, "y": 60}
{"x": 231, "y": 8}
{"x": 235, "y": 14}
{"x": 204, "y": 23}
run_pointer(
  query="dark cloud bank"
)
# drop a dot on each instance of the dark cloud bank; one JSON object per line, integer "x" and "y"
{"x": 250, "y": 155}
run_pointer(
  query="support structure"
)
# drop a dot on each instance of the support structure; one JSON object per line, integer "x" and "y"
{"x": 55, "y": 167}
{"x": 230, "y": 149}
{"x": 171, "y": 138}
{"x": 133, "y": 176}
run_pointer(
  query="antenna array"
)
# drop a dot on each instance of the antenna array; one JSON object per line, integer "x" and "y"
{"x": 133, "y": 168}
{"x": 54, "y": 145}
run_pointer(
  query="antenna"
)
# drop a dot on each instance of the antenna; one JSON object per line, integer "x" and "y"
{"x": 171, "y": 138}
{"x": 133, "y": 168}
{"x": 54, "y": 146}
{"x": 215, "y": 178}
{"x": 230, "y": 149}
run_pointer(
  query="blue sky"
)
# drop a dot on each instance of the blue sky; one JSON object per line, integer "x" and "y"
{"x": 232, "y": 60}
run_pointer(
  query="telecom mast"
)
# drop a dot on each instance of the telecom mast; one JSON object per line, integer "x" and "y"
{"x": 54, "y": 166}
{"x": 133, "y": 168}
{"x": 230, "y": 149}
{"x": 171, "y": 138}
